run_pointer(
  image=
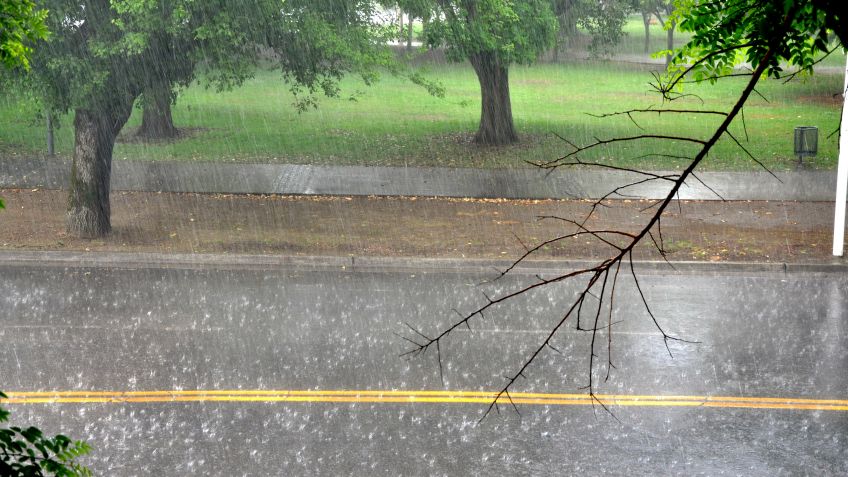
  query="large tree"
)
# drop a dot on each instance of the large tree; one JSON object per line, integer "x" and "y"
{"x": 103, "y": 54}
{"x": 492, "y": 35}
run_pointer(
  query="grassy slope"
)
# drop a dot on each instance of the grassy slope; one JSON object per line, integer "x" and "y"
{"x": 396, "y": 123}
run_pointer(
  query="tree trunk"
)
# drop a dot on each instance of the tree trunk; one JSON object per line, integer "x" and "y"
{"x": 51, "y": 138}
{"x": 88, "y": 199}
{"x": 156, "y": 121}
{"x": 425, "y": 25}
{"x": 669, "y": 10}
{"x": 568, "y": 19}
{"x": 409, "y": 34}
{"x": 646, "y": 19}
{"x": 496, "y": 126}
{"x": 669, "y": 44}
{"x": 400, "y": 26}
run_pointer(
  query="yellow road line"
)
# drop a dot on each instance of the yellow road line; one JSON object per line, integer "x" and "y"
{"x": 420, "y": 396}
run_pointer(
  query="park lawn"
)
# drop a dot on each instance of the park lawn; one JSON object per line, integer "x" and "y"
{"x": 394, "y": 123}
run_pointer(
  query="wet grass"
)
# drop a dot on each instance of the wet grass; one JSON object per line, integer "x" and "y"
{"x": 397, "y": 124}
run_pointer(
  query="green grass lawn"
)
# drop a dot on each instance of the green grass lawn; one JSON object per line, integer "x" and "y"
{"x": 395, "y": 123}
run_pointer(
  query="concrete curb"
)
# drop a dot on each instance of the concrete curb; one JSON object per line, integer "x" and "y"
{"x": 382, "y": 264}
{"x": 518, "y": 183}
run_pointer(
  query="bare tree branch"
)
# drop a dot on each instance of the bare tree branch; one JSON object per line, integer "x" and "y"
{"x": 658, "y": 112}
{"x": 603, "y": 142}
{"x": 708, "y": 187}
{"x": 752, "y": 157}
{"x": 578, "y": 162}
{"x": 599, "y": 276}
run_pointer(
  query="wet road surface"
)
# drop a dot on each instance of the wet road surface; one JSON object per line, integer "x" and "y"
{"x": 293, "y": 372}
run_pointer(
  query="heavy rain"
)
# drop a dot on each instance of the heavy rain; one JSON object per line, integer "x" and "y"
{"x": 419, "y": 237}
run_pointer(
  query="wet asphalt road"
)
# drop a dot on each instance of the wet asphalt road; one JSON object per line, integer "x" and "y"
{"x": 106, "y": 329}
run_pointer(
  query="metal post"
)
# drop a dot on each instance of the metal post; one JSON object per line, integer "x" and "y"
{"x": 51, "y": 149}
{"x": 841, "y": 175}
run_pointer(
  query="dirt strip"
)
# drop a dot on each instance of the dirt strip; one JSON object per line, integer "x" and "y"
{"x": 797, "y": 232}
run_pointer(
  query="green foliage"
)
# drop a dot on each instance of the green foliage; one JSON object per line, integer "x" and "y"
{"x": 104, "y": 52}
{"x": 515, "y": 31}
{"x": 20, "y": 25}
{"x": 605, "y": 22}
{"x": 726, "y": 33}
{"x": 27, "y": 452}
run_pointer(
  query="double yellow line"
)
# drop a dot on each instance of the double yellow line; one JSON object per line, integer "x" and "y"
{"x": 408, "y": 397}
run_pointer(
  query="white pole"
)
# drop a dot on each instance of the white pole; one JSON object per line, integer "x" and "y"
{"x": 841, "y": 175}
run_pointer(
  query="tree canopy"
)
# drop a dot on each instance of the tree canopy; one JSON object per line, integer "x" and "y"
{"x": 514, "y": 31}
{"x": 100, "y": 47}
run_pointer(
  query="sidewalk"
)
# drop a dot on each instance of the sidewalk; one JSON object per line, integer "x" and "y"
{"x": 523, "y": 183}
